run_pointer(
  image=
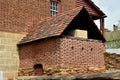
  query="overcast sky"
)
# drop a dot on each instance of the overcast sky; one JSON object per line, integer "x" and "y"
{"x": 111, "y": 9}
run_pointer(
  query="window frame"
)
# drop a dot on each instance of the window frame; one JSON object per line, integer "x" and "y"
{"x": 57, "y": 8}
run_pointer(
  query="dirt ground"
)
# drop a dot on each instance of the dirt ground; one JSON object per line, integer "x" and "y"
{"x": 112, "y": 61}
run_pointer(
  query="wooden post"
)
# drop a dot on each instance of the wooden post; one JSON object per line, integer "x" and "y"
{"x": 102, "y": 26}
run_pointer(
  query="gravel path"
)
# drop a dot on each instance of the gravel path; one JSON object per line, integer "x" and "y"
{"x": 93, "y": 76}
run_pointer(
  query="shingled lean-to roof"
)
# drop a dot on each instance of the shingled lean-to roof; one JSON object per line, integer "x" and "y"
{"x": 53, "y": 26}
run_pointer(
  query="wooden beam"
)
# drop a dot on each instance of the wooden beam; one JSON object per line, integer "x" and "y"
{"x": 102, "y": 26}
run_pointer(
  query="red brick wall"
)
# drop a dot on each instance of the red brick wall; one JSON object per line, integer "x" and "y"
{"x": 27, "y": 56}
{"x": 47, "y": 52}
{"x": 22, "y": 15}
{"x": 44, "y": 51}
{"x": 67, "y": 5}
{"x": 81, "y": 52}
{"x": 62, "y": 51}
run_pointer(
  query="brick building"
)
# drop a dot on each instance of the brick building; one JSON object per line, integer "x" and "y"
{"x": 19, "y": 17}
{"x": 70, "y": 39}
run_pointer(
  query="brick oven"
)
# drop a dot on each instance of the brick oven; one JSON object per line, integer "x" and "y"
{"x": 69, "y": 42}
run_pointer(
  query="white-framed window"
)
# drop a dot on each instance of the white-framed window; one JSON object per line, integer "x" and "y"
{"x": 53, "y": 7}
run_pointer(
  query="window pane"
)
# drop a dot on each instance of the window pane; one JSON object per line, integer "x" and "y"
{"x": 54, "y": 8}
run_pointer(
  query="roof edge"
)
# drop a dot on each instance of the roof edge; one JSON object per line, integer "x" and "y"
{"x": 97, "y": 8}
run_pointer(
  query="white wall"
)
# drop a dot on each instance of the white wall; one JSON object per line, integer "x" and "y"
{"x": 113, "y": 50}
